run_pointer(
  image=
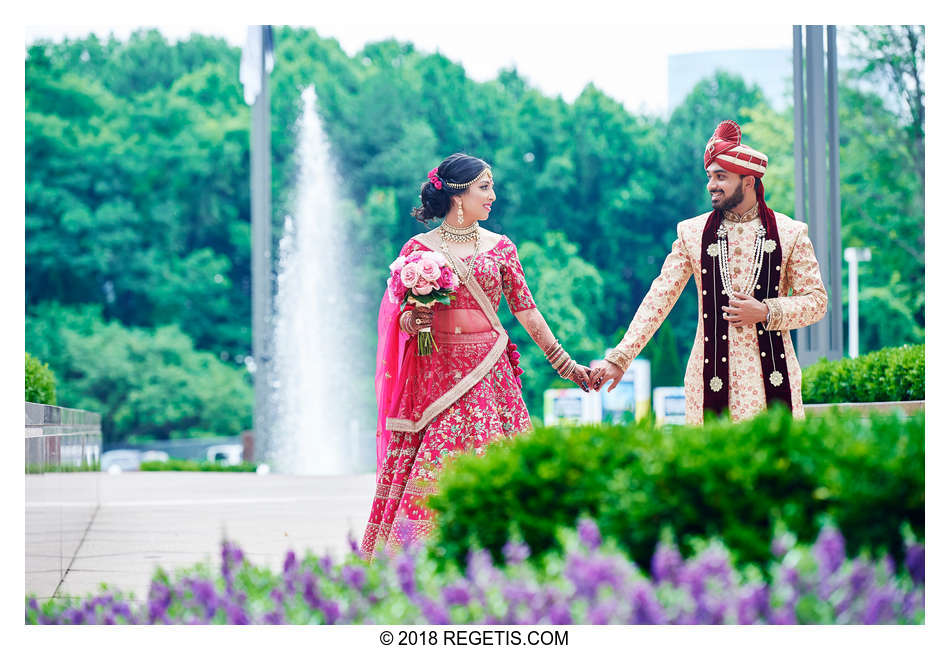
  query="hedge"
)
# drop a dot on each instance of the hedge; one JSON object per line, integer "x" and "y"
{"x": 40, "y": 382}
{"x": 887, "y": 375}
{"x": 185, "y": 465}
{"x": 732, "y": 480}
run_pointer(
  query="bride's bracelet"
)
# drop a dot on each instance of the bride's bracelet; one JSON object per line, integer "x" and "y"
{"x": 404, "y": 321}
{"x": 560, "y": 360}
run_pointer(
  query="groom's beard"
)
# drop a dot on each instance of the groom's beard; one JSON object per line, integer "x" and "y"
{"x": 734, "y": 199}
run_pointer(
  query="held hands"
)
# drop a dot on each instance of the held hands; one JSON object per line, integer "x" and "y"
{"x": 603, "y": 372}
{"x": 743, "y": 310}
{"x": 581, "y": 377}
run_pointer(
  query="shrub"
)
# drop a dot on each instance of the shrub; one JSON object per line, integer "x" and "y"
{"x": 888, "y": 375}
{"x": 40, "y": 382}
{"x": 184, "y": 465}
{"x": 731, "y": 480}
{"x": 589, "y": 583}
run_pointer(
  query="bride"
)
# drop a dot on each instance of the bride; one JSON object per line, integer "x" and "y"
{"x": 467, "y": 393}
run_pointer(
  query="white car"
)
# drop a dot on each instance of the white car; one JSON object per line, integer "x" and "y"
{"x": 117, "y": 461}
{"x": 226, "y": 454}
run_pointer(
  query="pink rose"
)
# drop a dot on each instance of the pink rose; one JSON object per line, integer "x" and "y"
{"x": 410, "y": 274}
{"x": 414, "y": 257}
{"x": 448, "y": 280}
{"x": 429, "y": 270}
{"x": 398, "y": 263}
{"x": 436, "y": 257}
{"x": 423, "y": 288}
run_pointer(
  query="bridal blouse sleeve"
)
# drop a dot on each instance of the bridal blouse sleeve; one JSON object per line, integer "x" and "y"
{"x": 808, "y": 300}
{"x": 513, "y": 283}
{"x": 661, "y": 297}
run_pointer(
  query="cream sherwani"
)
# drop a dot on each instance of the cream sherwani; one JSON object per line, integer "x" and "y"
{"x": 803, "y": 302}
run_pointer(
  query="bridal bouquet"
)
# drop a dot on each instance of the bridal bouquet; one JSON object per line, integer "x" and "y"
{"x": 422, "y": 278}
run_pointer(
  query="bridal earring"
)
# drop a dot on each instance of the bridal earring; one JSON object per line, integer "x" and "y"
{"x": 460, "y": 213}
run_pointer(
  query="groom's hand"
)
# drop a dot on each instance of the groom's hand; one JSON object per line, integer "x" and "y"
{"x": 603, "y": 372}
{"x": 745, "y": 311}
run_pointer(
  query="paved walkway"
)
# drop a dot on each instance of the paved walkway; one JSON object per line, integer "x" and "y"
{"x": 177, "y": 519}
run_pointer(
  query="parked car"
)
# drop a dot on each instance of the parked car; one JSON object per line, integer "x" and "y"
{"x": 154, "y": 454}
{"x": 116, "y": 461}
{"x": 226, "y": 454}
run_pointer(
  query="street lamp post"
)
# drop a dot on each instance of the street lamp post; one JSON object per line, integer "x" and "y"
{"x": 852, "y": 256}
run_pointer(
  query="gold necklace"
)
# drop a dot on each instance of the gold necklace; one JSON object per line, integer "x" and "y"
{"x": 470, "y": 267}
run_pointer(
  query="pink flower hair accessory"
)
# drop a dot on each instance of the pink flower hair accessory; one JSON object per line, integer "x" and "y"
{"x": 434, "y": 178}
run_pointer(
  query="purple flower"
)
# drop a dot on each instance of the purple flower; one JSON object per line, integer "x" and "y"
{"x": 600, "y": 613}
{"x": 880, "y": 606}
{"x": 205, "y": 595}
{"x": 434, "y": 612}
{"x": 753, "y": 604}
{"x": 588, "y": 573}
{"x": 909, "y": 605}
{"x": 560, "y": 614}
{"x": 159, "y": 599}
{"x": 122, "y": 609}
{"x": 515, "y": 552}
{"x": 406, "y": 573}
{"x": 273, "y": 618}
{"x": 791, "y": 577}
{"x": 277, "y": 596}
{"x": 829, "y": 550}
{"x": 331, "y": 611}
{"x": 355, "y": 577}
{"x": 589, "y": 533}
{"x": 646, "y": 608}
{"x": 783, "y": 616}
{"x": 862, "y": 576}
{"x": 310, "y": 593}
{"x": 456, "y": 593}
{"x": 290, "y": 562}
{"x": 780, "y": 546}
{"x": 326, "y": 564}
{"x": 666, "y": 563}
{"x": 915, "y": 563}
{"x": 354, "y": 545}
{"x": 236, "y": 614}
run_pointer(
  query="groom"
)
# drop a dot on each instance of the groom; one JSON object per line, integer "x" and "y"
{"x": 756, "y": 278}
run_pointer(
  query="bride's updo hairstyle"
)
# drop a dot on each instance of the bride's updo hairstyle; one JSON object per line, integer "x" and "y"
{"x": 453, "y": 176}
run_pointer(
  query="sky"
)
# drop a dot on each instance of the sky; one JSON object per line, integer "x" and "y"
{"x": 627, "y": 63}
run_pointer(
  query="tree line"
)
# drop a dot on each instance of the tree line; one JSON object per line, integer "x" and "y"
{"x": 138, "y": 213}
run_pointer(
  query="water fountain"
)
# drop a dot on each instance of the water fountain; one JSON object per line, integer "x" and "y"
{"x": 316, "y": 428}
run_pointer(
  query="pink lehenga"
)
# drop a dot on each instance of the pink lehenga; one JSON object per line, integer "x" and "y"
{"x": 457, "y": 400}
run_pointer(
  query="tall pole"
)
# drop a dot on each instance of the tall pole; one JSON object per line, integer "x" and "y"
{"x": 834, "y": 194}
{"x": 853, "y": 256}
{"x": 817, "y": 179}
{"x": 260, "y": 60}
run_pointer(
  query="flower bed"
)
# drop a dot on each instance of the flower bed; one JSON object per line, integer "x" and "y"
{"x": 590, "y": 583}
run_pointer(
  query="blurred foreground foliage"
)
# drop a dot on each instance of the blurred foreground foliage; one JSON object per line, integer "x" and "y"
{"x": 723, "y": 479}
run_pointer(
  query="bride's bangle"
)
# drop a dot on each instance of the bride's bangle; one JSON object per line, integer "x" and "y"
{"x": 404, "y": 321}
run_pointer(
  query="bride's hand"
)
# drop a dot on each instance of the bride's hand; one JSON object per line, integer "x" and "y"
{"x": 581, "y": 377}
{"x": 421, "y": 318}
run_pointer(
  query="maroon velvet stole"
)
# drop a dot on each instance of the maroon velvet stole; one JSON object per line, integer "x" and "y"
{"x": 715, "y": 326}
